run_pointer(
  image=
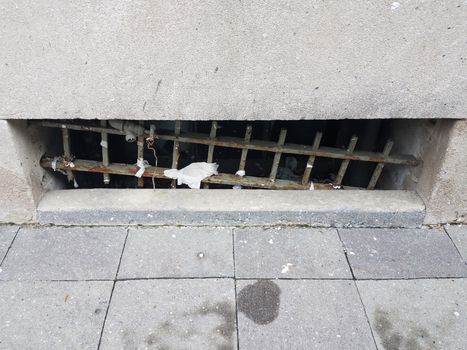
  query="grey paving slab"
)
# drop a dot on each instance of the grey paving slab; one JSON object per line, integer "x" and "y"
{"x": 61, "y": 253}
{"x": 402, "y": 253}
{"x": 417, "y": 314}
{"x": 52, "y": 315}
{"x": 289, "y": 253}
{"x": 172, "y": 314}
{"x": 7, "y": 233}
{"x": 298, "y": 314}
{"x": 178, "y": 252}
{"x": 458, "y": 233}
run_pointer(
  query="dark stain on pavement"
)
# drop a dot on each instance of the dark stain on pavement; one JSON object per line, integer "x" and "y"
{"x": 416, "y": 338}
{"x": 223, "y": 309}
{"x": 260, "y": 301}
{"x": 221, "y": 337}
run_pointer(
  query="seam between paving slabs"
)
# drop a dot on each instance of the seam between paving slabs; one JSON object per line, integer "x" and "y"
{"x": 242, "y": 279}
{"x": 356, "y": 288}
{"x": 113, "y": 288}
{"x": 284, "y": 225}
{"x": 455, "y": 246}
{"x": 9, "y": 247}
{"x": 235, "y": 286}
{"x": 366, "y": 314}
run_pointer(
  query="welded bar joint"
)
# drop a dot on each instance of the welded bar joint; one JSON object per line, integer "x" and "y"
{"x": 277, "y": 156}
{"x": 379, "y": 167}
{"x": 67, "y": 152}
{"x": 345, "y": 162}
{"x": 311, "y": 159}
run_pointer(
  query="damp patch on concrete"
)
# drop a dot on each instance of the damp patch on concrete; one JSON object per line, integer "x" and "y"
{"x": 260, "y": 301}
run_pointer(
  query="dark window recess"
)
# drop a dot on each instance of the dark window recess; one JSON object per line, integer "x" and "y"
{"x": 292, "y": 155}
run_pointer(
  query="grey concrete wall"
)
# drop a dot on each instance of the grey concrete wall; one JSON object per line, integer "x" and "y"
{"x": 22, "y": 180}
{"x": 229, "y": 59}
{"x": 442, "y": 182}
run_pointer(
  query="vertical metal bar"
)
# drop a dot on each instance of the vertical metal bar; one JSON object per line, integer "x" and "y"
{"x": 311, "y": 159}
{"x": 380, "y": 166}
{"x": 67, "y": 151}
{"x": 140, "y": 154}
{"x": 248, "y": 132}
{"x": 277, "y": 155}
{"x": 212, "y": 136}
{"x": 345, "y": 162}
{"x": 105, "y": 151}
{"x": 176, "y": 151}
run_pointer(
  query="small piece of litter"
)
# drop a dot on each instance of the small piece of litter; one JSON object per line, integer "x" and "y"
{"x": 54, "y": 163}
{"x": 395, "y": 5}
{"x": 237, "y": 187}
{"x": 351, "y": 253}
{"x": 104, "y": 144}
{"x": 174, "y": 236}
{"x": 75, "y": 183}
{"x": 271, "y": 241}
{"x": 193, "y": 174}
{"x": 142, "y": 165}
{"x": 456, "y": 314}
{"x": 309, "y": 165}
{"x": 240, "y": 173}
{"x": 286, "y": 268}
{"x": 201, "y": 255}
{"x": 312, "y": 186}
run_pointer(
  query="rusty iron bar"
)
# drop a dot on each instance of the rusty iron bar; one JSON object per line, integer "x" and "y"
{"x": 176, "y": 151}
{"x": 257, "y": 145}
{"x": 311, "y": 159}
{"x": 277, "y": 155}
{"x": 379, "y": 167}
{"x": 158, "y": 172}
{"x": 212, "y": 136}
{"x": 67, "y": 152}
{"x": 345, "y": 162}
{"x": 140, "y": 153}
{"x": 105, "y": 151}
{"x": 246, "y": 140}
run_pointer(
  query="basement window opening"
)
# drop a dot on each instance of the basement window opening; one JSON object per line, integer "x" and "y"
{"x": 277, "y": 155}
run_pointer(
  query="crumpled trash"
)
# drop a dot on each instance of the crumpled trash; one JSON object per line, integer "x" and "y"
{"x": 142, "y": 165}
{"x": 193, "y": 174}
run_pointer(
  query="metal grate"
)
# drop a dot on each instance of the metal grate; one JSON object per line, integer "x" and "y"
{"x": 68, "y": 164}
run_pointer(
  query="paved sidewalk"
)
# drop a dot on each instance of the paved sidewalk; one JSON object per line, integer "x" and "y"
{"x": 231, "y": 288}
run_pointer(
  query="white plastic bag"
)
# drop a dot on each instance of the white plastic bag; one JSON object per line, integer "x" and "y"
{"x": 193, "y": 174}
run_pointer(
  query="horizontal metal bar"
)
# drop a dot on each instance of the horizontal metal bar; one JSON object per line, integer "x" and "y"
{"x": 258, "y": 145}
{"x": 223, "y": 179}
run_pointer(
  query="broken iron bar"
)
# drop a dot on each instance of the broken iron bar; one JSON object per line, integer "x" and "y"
{"x": 158, "y": 172}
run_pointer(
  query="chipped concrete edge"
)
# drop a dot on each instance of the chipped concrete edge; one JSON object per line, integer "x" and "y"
{"x": 231, "y": 208}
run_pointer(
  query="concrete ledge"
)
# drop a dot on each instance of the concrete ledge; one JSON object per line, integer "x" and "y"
{"x": 230, "y": 207}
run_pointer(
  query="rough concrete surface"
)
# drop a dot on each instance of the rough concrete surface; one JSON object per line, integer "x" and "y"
{"x": 172, "y": 314}
{"x": 178, "y": 252}
{"x": 402, "y": 253}
{"x": 17, "y": 197}
{"x": 443, "y": 184}
{"x": 249, "y": 207}
{"x": 7, "y": 233}
{"x": 233, "y": 60}
{"x": 289, "y": 253}
{"x": 458, "y": 234}
{"x": 301, "y": 315}
{"x": 52, "y": 315}
{"x": 60, "y": 253}
{"x": 418, "y": 314}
